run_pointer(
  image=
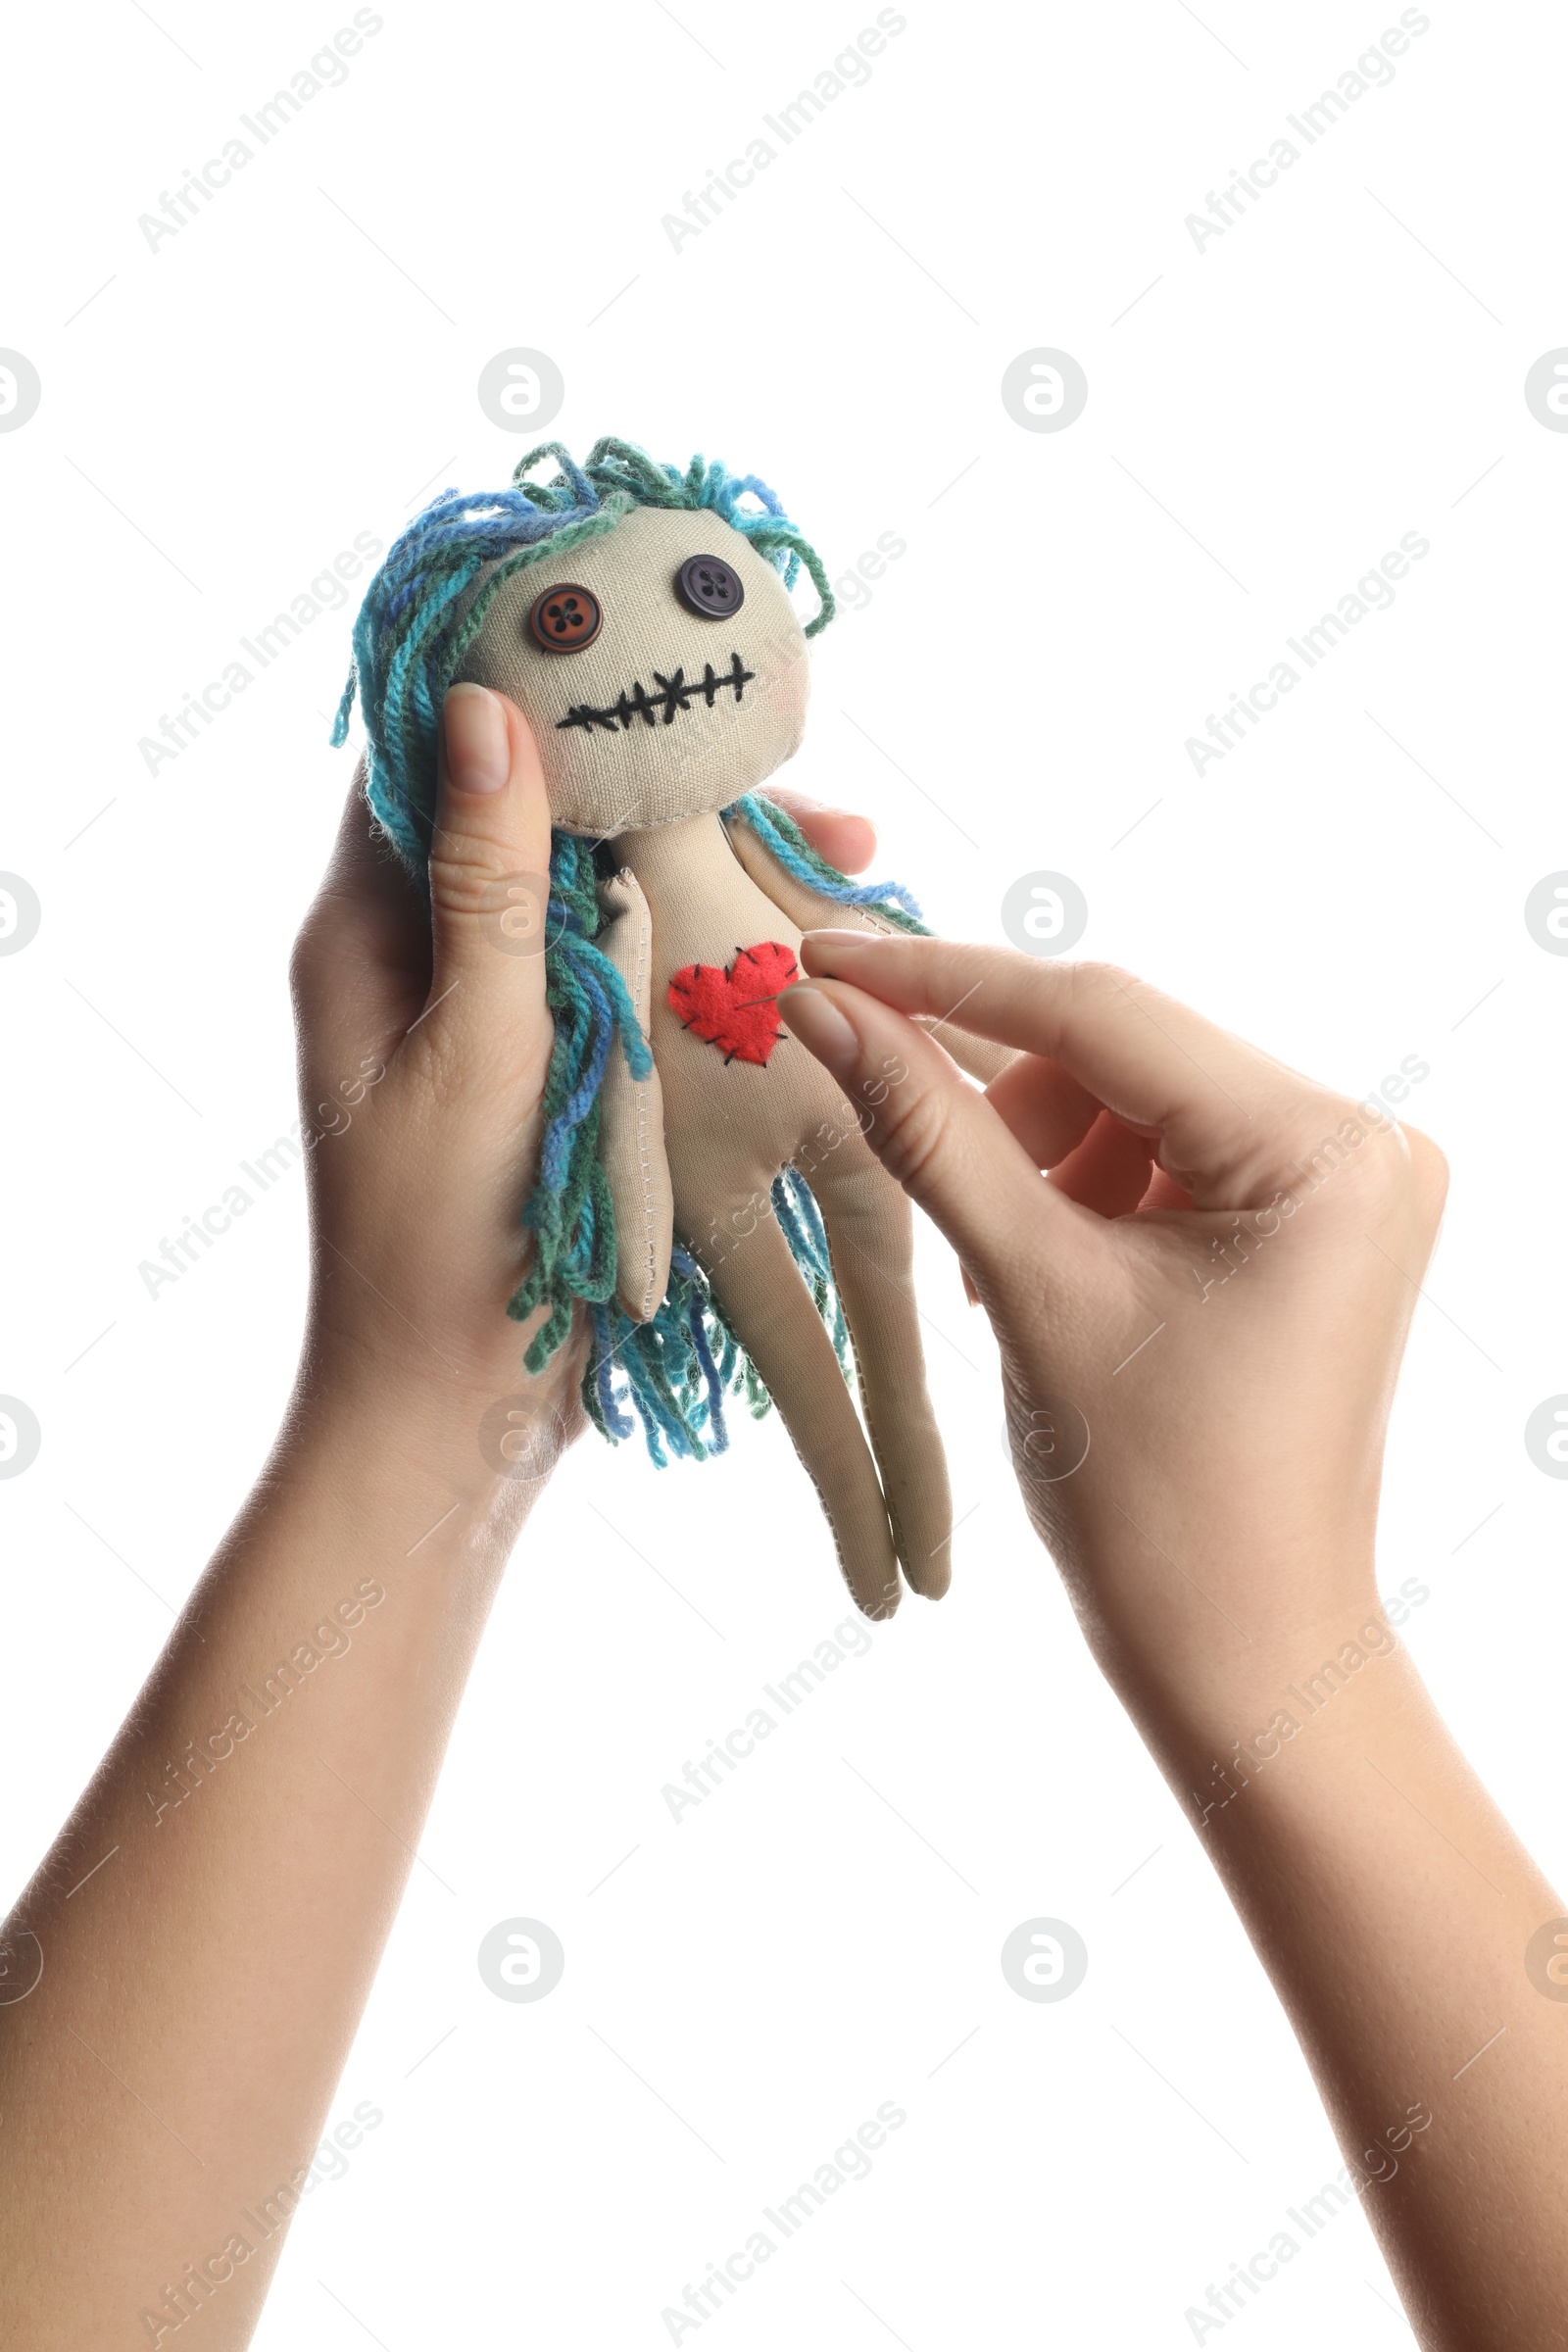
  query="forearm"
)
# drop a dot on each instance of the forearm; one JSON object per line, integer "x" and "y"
{"x": 211, "y": 1919}
{"x": 1393, "y": 1906}
{"x": 1200, "y": 1317}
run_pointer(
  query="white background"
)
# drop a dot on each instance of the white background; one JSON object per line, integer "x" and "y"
{"x": 298, "y": 364}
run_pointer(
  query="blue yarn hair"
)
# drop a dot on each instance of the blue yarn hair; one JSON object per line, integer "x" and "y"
{"x": 412, "y": 634}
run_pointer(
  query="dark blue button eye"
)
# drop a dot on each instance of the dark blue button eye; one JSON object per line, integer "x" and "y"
{"x": 564, "y": 619}
{"x": 707, "y": 585}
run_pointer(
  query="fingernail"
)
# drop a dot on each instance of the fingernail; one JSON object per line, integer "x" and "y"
{"x": 479, "y": 748}
{"x": 844, "y": 938}
{"x": 822, "y": 1028}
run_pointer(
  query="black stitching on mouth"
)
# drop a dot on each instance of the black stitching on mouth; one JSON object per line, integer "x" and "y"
{"x": 674, "y": 694}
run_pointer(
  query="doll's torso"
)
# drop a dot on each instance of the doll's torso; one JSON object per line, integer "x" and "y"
{"x": 735, "y": 1121}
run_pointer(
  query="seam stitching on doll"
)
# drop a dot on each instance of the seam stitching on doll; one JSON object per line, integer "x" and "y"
{"x": 674, "y": 694}
{"x": 597, "y": 833}
{"x": 639, "y": 1004}
{"x": 900, "y": 1547}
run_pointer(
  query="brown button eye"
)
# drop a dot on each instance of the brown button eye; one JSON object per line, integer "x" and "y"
{"x": 707, "y": 585}
{"x": 564, "y": 619}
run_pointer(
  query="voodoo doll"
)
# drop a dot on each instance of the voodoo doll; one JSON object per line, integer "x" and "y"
{"x": 705, "y": 1190}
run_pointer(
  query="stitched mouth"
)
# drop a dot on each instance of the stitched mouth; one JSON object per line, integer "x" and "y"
{"x": 659, "y": 707}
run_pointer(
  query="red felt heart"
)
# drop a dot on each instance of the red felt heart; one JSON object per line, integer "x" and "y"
{"x": 735, "y": 1009}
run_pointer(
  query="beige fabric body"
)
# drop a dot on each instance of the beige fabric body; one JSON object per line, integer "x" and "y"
{"x": 813, "y": 912}
{"x": 631, "y": 1125}
{"x": 729, "y": 1130}
{"x": 605, "y": 782}
{"x": 694, "y": 1150}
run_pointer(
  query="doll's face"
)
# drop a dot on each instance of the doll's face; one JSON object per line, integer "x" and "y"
{"x": 660, "y": 666}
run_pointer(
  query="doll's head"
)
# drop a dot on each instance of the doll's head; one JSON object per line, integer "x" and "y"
{"x": 661, "y": 666}
{"x": 640, "y": 619}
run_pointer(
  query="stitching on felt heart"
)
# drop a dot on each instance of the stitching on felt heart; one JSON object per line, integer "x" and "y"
{"x": 736, "y": 1009}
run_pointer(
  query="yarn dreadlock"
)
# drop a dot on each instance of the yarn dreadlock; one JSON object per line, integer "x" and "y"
{"x": 412, "y": 634}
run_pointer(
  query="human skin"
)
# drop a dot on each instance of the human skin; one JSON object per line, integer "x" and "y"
{"x": 200, "y": 1987}
{"x": 1217, "y": 1540}
{"x": 206, "y": 1965}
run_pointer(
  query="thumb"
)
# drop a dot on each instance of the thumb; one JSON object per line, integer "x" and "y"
{"x": 489, "y": 881}
{"x": 937, "y": 1136}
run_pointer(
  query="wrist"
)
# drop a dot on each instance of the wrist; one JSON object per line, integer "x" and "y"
{"x": 374, "y": 1423}
{"x": 1225, "y": 1641}
{"x": 1277, "y": 1713}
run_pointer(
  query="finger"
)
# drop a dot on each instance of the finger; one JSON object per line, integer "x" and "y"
{"x": 941, "y": 1140}
{"x": 489, "y": 883}
{"x": 760, "y": 1287}
{"x": 1165, "y": 1192}
{"x": 870, "y": 1236}
{"x": 1043, "y": 1105}
{"x": 1229, "y": 1118}
{"x": 976, "y": 1055}
{"x": 366, "y": 881}
{"x": 844, "y": 839}
{"x": 1108, "y": 1172}
{"x": 362, "y": 962}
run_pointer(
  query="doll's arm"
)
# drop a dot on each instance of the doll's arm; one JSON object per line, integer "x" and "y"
{"x": 632, "y": 1131}
{"x": 813, "y": 911}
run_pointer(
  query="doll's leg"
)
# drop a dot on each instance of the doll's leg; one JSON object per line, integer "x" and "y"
{"x": 759, "y": 1285}
{"x": 869, "y": 1230}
